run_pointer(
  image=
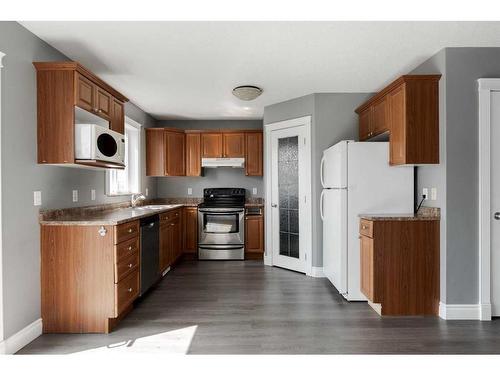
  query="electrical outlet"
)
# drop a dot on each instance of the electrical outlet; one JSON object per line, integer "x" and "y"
{"x": 254, "y": 191}
{"x": 92, "y": 194}
{"x": 75, "y": 195}
{"x": 433, "y": 194}
{"x": 37, "y": 198}
{"x": 425, "y": 192}
{"x": 147, "y": 192}
{"x": 190, "y": 191}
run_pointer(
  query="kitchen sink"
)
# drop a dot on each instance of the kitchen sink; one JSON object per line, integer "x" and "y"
{"x": 156, "y": 207}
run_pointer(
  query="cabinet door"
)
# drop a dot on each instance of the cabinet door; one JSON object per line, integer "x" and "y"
{"x": 104, "y": 103}
{"x": 253, "y": 154}
{"x": 190, "y": 229}
{"x": 155, "y": 152}
{"x": 397, "y": 123}
{"x": 380, "y": 117}
{"x": 118, "y": 117}
{"x": 175, "y": 154}
{"x": 367, "y": 276}
{"x": 254, "y": 234}
{"x": 365, "y": 124}
{"x": 176, "y": 238}
{"x": 211, "y": 145}
{"x": 193, "y": 154}
{"x": 234, "y": 145}
{"x": 164, "y": 246}
{"x": 85, "y": 93}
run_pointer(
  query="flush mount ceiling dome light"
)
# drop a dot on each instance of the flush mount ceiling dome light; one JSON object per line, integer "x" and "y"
{"x": 247, "y": 92}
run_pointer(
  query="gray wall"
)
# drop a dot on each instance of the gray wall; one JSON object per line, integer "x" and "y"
{"x": 175, "y": 187}
{"x": 21, "y": 175}
{"x": 459, "y": 142}
{"x": 333, "y": 120}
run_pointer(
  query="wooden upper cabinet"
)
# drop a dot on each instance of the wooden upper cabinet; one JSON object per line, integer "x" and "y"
{"x": 193, "y": 154}
{"x": 409, "y": 109}
{"x": 233, "y": 145}
{"x": 118, "y": 117}
{"x": 365, "y": 124}
{"x": 60, "y": 87}
{"x": 175, "y": 164}
{"x": 254, "y": 154}
{"x": 85, "y": 93}
{"x": 380, "y": 117}
{"x": 211, "y": 145}
{"x": 155, "y": 152}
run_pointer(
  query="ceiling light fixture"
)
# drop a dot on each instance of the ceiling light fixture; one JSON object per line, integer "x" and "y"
{"x": 247, "y": 92}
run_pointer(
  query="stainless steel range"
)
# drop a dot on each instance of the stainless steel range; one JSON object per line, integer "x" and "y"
{"x": 221, "y": 224}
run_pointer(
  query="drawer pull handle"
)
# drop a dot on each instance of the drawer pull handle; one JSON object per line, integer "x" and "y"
{"x": 130, "y": 290}
{"x": 130, "y": 265}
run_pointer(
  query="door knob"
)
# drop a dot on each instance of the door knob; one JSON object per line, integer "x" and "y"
{"x": 497, "y": 216}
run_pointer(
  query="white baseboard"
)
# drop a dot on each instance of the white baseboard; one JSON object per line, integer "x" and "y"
{"x": 22, "y": 338}
{"x": 465, "y": 312}
{"x": 317, "y": 272}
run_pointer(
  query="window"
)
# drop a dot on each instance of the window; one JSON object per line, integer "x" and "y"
{"x": 127, "y": 181}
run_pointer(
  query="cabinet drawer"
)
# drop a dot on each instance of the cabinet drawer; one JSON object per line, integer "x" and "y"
{"x": 126, "y": 231}
{"x": 126, "y": 266}
{"x": 126, "y": 249}
{"x": 126, "y": 291}
{"x": 170, "y": 215}
{"x": 366, "y": 228}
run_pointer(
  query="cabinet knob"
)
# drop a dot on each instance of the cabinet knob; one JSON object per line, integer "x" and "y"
{"x": 102, "y": 231}
{"x": 130, "y": 248}
{"x": 497, "y": 216}
{"x": 363, "y": 227}
{"x": 130, "y": 290}
{"x": 100, "y": 110}
{"x": 130, "y": 265}
{"x": 130, "y": 230}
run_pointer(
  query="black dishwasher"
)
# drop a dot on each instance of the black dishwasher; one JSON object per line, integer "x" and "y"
{"x": 150, "y": 255}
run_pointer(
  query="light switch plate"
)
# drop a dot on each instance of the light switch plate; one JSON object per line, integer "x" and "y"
{"x": 92, "y": 194}
{"x": 254, "y": 191}
{"x": 190, "y": 191}
{"x": 37, "y": 198}
{"x": 425, "y": 192}
{"x": 433, "y": 194}
{"x": 75, "y": 195}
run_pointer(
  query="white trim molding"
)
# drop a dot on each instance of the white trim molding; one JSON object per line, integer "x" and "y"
{"x": 22, "y": 338}
{"x": 317, "y": 272}
{"x": 485, "y": 87}
{"x": 268, "y": 128}
{"x": 463, "y": 312}
{"x": 1, "y": 249}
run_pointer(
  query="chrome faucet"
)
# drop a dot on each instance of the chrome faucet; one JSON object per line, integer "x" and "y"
{"x": 136, "y": 198}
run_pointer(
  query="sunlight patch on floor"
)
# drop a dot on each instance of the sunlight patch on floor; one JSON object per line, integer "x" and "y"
{"x": 171, "y": 342}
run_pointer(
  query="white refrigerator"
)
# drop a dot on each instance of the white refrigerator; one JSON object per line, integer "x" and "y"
{"x": 357, "y": 179}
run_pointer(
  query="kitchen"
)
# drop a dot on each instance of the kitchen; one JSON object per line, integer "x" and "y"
{"x": 224, "y": 209}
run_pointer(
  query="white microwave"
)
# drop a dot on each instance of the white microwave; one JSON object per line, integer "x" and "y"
{"x": 94, "y": 142}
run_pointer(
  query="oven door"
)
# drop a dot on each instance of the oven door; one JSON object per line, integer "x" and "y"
{"x": 221, "y": 226}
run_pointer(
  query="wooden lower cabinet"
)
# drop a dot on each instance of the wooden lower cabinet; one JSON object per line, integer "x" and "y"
{"x": 89, "y": 276}
{"x": 171, "y": 232}
{"x": 190, "y": 231}
{"x": 400, "y": 265}
{"x": 254, "y": 233}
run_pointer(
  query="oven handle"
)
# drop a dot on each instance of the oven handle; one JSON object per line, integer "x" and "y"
{"x": 221, "y": 212}
{"x": 221, "y": 247}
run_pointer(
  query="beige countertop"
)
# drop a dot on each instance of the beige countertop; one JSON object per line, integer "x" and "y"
{"x": 105, "y": 216}
{"x": 424, "y": 214}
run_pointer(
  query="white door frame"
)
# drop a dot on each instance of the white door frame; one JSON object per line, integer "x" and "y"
{"x": 485, "y": 86}
{"x": 1, "y": 248}
{"x": 307, "y": 232}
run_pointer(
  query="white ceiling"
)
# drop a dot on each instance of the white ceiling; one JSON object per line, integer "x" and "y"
{"x": 188, "y": 69}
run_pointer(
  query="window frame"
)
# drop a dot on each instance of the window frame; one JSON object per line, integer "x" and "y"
{"x": 140, "y": 130}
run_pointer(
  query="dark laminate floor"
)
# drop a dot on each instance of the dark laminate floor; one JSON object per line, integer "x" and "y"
{"x": 245, "y": 307}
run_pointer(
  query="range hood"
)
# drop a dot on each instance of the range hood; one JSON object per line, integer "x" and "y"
{"x": 223, "y": 162}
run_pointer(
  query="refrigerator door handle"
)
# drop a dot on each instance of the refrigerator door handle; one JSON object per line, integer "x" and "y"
{"x": 321, "y": 175}
{"x": 321, "y": 213}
